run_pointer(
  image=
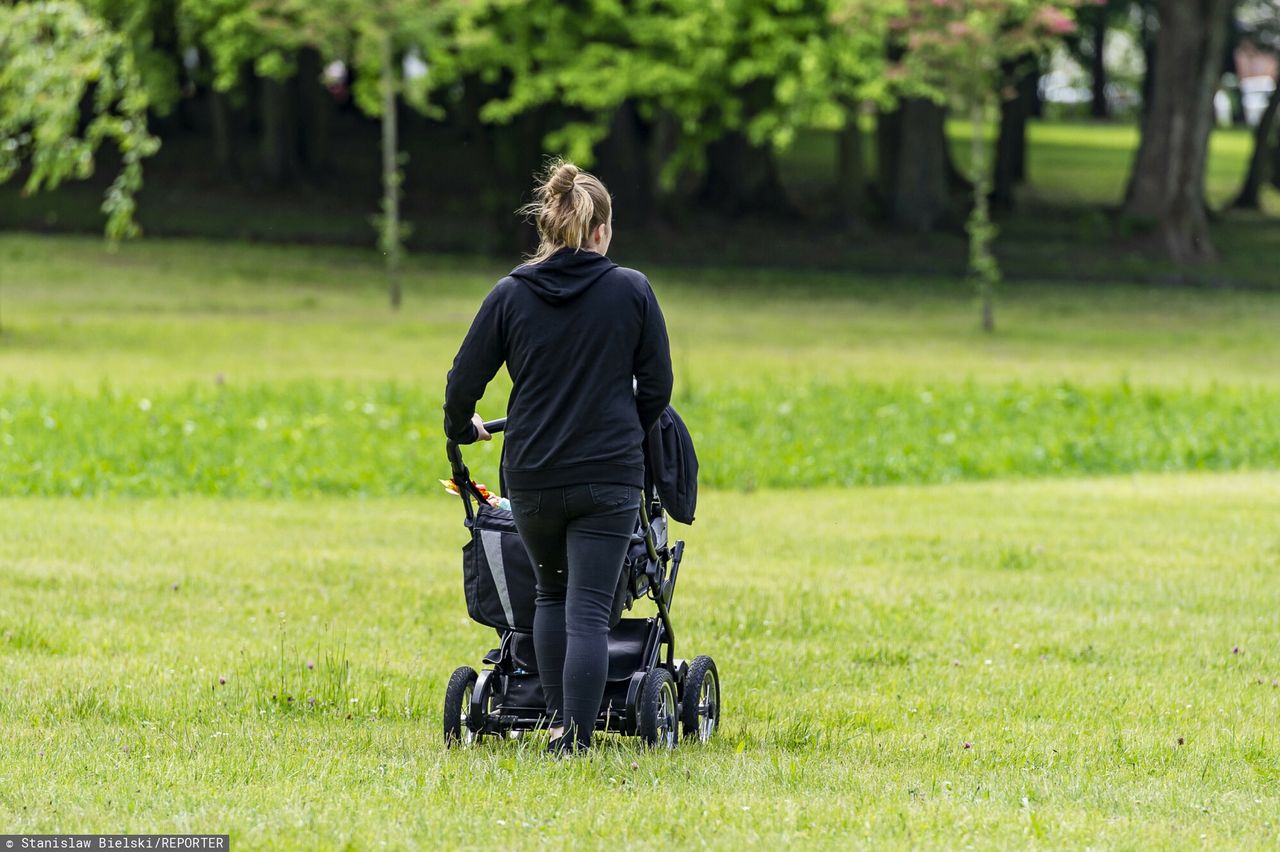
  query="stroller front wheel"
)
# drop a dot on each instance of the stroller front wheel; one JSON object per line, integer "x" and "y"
{"x": 659, "y": 710}
{"x": 700, "y": 710}
{"x": 457, "y": 706}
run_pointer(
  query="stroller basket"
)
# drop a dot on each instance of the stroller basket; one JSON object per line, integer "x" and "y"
{"x": 498, "y": 580}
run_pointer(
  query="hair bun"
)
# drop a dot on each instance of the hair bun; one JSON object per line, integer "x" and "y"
{"x": 562, "y": 179}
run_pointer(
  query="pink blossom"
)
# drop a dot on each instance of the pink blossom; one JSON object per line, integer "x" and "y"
{"x": 1055, "y": 21}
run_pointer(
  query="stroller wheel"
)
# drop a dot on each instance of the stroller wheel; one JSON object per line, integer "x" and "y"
{"x": 457, "y": 706}
{"x": 659, "y": 710}
{"x": 700, "y": 710}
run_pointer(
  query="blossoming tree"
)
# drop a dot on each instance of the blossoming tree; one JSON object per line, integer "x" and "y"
{"x": 958, "y": 51}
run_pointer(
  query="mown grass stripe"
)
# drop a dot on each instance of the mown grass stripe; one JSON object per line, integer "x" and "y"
{"x": 336, "y": 438}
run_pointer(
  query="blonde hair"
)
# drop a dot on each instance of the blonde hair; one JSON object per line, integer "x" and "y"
{"x": 568, "y": 205}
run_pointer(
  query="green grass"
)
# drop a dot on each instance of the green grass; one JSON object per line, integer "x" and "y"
{"x": 160, "y": 314}
{"x": 1069, "y": 163}
{"x": 281, "y": 372}
{"x": 1064, "y": 225}
{"x": 308, "y": 438}
{"x": 1088, "y": 163}
{"x": 1106, "y": 646}
{"x": 1078, "y": 636}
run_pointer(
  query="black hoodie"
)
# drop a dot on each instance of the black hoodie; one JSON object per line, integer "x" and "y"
{"x": 574, "y": 331}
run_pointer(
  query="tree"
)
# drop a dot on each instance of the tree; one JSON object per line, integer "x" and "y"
{"x": 1264, "y": 142}
{"x": 1166, "y": 186}
{"x": 151, "y": 28}
{"x": 1261, "y": 18}
{"x": 956, "y": 51}
{"x": 672, "y": 62}
{"x": 388, "y": 44}
{"x": 1088, "y": 47}
{"x": 717, "y": 87}
{"x": 912, "y": 159}
{"x": 1022, "y": 77}
{"x": 58, "y": 62}
{"x": 236, "y": 35}
{"x": 823, "y": 81}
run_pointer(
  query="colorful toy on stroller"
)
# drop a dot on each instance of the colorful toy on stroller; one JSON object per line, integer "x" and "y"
{"x": 649, "y": 692}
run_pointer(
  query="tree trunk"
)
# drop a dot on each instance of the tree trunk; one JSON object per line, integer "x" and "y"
{"x": 1147, "y": 39}
{"x": 1167, "y": 183}
{"x": 850, "y": 169}
{"x": 1250, "y": 197}
{"x": 315, "y": 112}
{"x": 913, "y": 159}
{"x": 514, "y": 155}
{"x": 1099, "y": 108}
{"x": 1010, "y": 166}
{"x": 677, "y": 189}
{"x": 391, "y": 247}
{"x": 624, "y": 164}
{"x": 742, "y": 178}
{"x": 1275, "y": 163}
{"x": 983, "y": 268}
{"x": 279, "y": 137}
{"x": 220, "y": 119}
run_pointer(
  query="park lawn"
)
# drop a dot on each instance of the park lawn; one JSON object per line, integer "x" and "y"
{"x": 1070, "y": 163}
{"x": 1088, "y": 163}
{"x": 162, "y": 313}
{"x": 186, "y": 367}
{"x": 1058, "y": 663}
{"x": 1130, "y": 697}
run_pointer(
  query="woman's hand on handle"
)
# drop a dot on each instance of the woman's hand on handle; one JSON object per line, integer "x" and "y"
{"x": 481, "y": 433}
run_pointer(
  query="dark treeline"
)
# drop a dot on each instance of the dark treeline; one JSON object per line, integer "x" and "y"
{"x": 260, "y": 108}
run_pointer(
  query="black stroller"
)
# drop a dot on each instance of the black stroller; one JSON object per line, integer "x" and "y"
{"x": 649, "y": 693}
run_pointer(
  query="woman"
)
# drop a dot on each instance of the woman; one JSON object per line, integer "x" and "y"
{"x": 586, "y": 346}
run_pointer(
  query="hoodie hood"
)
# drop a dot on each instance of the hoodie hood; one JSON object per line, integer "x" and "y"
{"x": 565, "y": 275}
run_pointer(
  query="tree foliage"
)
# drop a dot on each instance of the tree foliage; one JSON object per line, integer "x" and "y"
{"x": 399, "y": 50}
{"x": 959, "y": 52}
{"x": 763, "y": 68}
{"x": 54, "y": 58}
{"x": 151, "y": 28}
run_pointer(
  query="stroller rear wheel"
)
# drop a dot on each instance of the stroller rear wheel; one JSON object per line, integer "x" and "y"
{"x": 700, "y": 710}
{"x": 659, "y": 710}
{"x": 457, "y": 707}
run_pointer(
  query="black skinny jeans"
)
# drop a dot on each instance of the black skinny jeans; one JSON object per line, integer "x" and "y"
{"x": 577, "y": 537}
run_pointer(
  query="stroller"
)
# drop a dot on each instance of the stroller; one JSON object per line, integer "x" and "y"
{"x": 649, "y": 692}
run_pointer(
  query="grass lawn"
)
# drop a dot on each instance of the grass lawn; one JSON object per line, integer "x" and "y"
{"x": 1039, "y": 655}
{"x": 176, "y": 367}
{"x": 163, "y": 313}
{"x": 996, "y": 664}
{"x": 1063, "y": 226}
{"x": 1070, "y": 163}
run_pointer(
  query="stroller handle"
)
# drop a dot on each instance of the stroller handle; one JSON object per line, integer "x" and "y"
{"x": 460, "y": 473}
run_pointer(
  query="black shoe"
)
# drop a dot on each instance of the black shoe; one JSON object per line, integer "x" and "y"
{"x": 565, "y": 745}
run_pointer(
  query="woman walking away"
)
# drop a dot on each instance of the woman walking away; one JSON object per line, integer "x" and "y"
{"x": 586, "y": 346}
